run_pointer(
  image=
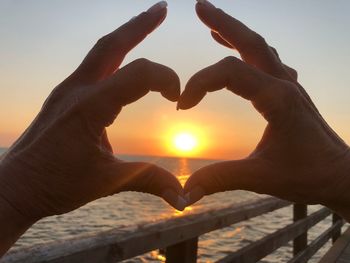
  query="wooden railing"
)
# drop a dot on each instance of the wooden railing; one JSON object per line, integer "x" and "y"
{"x": 179, "y": 237}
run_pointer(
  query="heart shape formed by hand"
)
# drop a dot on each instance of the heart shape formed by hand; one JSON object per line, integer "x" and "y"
{"x": 70, "y": 141}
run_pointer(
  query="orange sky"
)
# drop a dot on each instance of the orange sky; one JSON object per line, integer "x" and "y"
{"x": 39, "y": 51}
{"x": 220, "y": 135}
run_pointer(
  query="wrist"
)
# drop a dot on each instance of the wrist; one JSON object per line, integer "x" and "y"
{"x": 16, "y": 195}
{"x": 12, "y": 225}
{"x": 338, "y": 194}
{"x": 9, "y": 214}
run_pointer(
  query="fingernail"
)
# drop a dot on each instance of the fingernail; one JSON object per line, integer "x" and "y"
{"x": 179, "y": 105}
{"x": 174, "y": 199}
{"x": 205, "y": 3}
{"x": 194, "y": 195}
{"x": 181, "y": 203}
{"x": 157, "y": 7}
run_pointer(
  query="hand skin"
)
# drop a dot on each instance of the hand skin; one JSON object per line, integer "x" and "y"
{"x": 299, "y": 158}
{"x": 64, "y": 159}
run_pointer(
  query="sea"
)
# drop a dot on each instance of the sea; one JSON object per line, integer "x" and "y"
{"x": 131, "y": 209}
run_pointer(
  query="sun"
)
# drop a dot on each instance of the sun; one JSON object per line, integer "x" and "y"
{"x": 185, "y": 142}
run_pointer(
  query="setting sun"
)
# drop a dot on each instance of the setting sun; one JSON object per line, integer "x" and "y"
{"x": 185, "y": 142}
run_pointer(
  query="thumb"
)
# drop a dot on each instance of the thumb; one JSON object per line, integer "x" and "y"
{"x": 248, "y": 174}
{"x": 148, "y": 178}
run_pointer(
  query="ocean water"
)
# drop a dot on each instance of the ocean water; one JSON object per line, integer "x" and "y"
{"x": 132, "y": 208}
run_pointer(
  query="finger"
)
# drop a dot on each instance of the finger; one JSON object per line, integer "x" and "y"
{"x": 229, "y": 72}
{"x": 216, "y": 36}
{"x": 276, "y": 53}
{"x": 151, "y": 179}
{"x": 247, "y": 174}
{"x": 269, "y": 95}
{"x": 109, "y": 52}
{"x": 127, "y": 85}
{"x": 252, "y": 47}
{"x": 292, "y": 72}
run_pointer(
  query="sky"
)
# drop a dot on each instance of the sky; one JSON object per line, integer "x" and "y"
{"x": 42, "y": 42}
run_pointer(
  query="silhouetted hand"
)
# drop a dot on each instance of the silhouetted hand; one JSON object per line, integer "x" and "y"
{"x": 64, "y": 159}
{"x": 299, "y": 158}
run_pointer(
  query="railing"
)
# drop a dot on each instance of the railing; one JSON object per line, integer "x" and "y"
{"x": 179, "y": 237}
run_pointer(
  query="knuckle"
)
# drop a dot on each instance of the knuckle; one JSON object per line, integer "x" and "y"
{"x": 230, "y": 64}
{"x": 255, "y": 44}
{"x": 142, "y": 68}
{"x": 110, "y": 42}
{"x": 289, "y": 90}
{"x": 280, "y": 101}
{"x": 220, "y": 11}
{"x": 289, "y": 96}
{"x": 258, "y": 41}
{"x": 230, "y": 60}
{"x": 293, "y": 73}
{"x": 274, "y": 50}
{"x": 103, "y": 41}
{"x": 285, "y": 93}
{"x": 143, "y": 15}
{"x": 56, "y": 96}
{"x": 142, "y": 63}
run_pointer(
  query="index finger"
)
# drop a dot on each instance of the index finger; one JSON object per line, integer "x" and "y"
{"x": 105, "y": 100}
{"x": 109, "y": 51}
{"x": 252, "y": 47}
{"x": 271, "y": 96}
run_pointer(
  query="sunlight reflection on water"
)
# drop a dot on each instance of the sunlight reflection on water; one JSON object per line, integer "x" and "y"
{"x": 132, "y": 208}
{"x": 184, "y": 171}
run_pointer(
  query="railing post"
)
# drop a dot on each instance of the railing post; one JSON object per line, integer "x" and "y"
{"x": 300, "y": 242}
{"x": 337, "y": 234}
{"x": 184, "y": 252}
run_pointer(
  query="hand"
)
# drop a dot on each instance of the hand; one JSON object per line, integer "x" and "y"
{"x": 64, "y": 159}
{"x": 299, "y": 158}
